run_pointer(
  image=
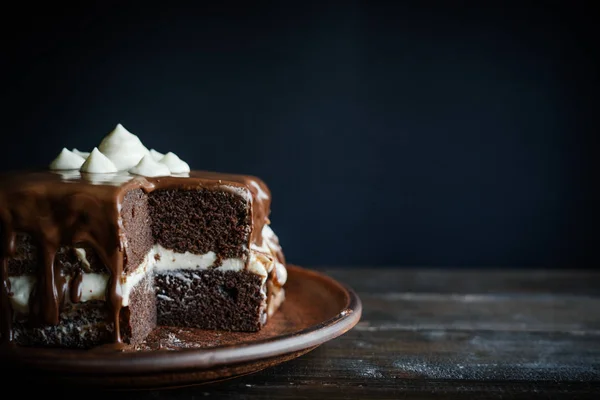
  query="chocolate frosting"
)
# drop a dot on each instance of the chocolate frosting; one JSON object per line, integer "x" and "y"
{"x": 76, "y": 209}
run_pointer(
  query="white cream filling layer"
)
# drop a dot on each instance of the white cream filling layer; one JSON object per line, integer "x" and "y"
{"x": 93, "y": 287}
{"x": 21, "y": 287}
{"x": 159, "y": 260}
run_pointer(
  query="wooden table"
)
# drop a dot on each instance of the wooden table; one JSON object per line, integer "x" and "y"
{"x": 428, "y": 333}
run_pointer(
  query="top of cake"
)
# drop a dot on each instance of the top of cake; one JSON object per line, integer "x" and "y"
{"x": 117, "y": 165}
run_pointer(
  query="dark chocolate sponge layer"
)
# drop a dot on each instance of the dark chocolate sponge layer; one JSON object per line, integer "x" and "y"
{"x": 80, "y": 326}
{"x": 210, "y": 299}
{"x": 199, "y": 221}
{"x": 26, "y": 260}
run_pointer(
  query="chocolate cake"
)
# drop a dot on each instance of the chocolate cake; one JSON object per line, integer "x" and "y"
{"x": 104, "y": 246}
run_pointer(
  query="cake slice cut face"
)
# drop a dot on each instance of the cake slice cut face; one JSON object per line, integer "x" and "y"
{"x": 88, "y": 259}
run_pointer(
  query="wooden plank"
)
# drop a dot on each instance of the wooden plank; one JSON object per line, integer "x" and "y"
{"x": 457, "y": 356}
{"x": 472, "y": 281}
{"x": 261, "y": 386}
{"x": 419, "y": 311}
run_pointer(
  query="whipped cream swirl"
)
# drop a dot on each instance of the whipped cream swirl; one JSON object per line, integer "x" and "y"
{"x": 98, "y": 163}
{"x": 150, "y": 167}
{"x": 67, "y": 160}
{"x": 175, "y": 164}
{"x": 123, "y": 148}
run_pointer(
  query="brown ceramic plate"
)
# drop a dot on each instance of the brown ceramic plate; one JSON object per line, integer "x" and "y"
{"x": 317, "y": 309}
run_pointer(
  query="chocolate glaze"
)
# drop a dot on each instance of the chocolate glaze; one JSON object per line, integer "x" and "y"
{"x": 73, "y": 209}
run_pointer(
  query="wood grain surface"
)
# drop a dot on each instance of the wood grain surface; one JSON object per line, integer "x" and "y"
{"x": 428, "y": 333}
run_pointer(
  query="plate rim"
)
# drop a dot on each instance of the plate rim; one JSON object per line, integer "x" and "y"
{"x": 197, "y": 358}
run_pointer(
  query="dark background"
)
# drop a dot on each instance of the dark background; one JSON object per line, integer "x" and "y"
{"x": 427, "y": 133}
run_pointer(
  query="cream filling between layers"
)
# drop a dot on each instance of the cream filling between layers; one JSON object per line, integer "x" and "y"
{"x": 158, "y": 259}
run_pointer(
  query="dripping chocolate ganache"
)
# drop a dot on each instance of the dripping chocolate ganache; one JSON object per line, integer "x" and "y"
{"x": 104, "y": 246}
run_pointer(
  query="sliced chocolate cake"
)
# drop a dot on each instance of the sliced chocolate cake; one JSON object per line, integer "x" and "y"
{"x": 106, "y": 245}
